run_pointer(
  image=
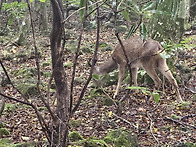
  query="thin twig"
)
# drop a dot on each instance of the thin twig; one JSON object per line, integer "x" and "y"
{"x": 8, "y": 77}
{"x": 38, "y": 64}
{"x": 40, "y": 118}
{"x": 188, "y": 115}
{"x": 109, "y": 96}
{"x": 131, "y": 124}
{"x": 78, "y": 11}
{"x": 180, "y": 123}
{"x": 151, "y": 125}
{"x": 93, "y": 63}
{"x": 76, "y": 59}
{"x": 35, "y": 46}
{"x": 119, "y": 5}
{"x": 147, "y": 56}
{"x": 126, "y": 57}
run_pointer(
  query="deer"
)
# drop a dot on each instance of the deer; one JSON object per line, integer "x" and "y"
{"x": 140, "y": 54}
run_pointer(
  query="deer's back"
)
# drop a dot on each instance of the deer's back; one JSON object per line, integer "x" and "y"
{"x": 132, "y": 48}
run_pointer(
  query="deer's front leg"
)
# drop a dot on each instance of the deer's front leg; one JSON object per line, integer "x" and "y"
{"x": 134, "y": 77}
{"x": 120, "y": 77}
{"x": 164, "y": 69}
{"x": 149, "y": 67}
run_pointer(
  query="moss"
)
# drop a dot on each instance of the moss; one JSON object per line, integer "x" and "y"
{"x": 108, "y": 140}
{"x": 75, "y": 136}
{"x": 120, "y": 137}
{"x": 95, "y": 142}
{"x": 46, "y": 74}
{"x": 1, "y": 124}
{"x": 68, "y": 64}
{"x": 122, "y": 28}
{"x": 114, "y": 133}
{"x": 10, "y": 107}
{"x": 75, "y": 123}
{"x": 42, "y": 108}
{"x": 122, "y": 140}
{"x": 4, "y": 131}
{"x": 4, "y": 143}
{"x": 194, "y": 98}
{"x": 28, "y": 89}
{"x": 107, "y": 101}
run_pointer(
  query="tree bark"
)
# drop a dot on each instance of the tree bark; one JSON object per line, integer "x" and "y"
{"x": 60, "y": 125}
{"x": 43, "y": 20}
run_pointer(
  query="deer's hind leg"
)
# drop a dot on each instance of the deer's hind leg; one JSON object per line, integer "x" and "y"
{"x": 121, "y": 73}
{"x": 163, "y": 68}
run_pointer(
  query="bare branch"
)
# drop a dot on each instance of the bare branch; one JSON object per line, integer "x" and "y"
{"x": 151, "y": 125}
{"x": 78, "y": 11}
{"x": 93, "y": 63}
{"x": 7, "y": 75}
{"x": 131, "y": 124}
{"x": 180, "y": 123}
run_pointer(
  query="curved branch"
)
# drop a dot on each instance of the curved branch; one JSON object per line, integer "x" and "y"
{"x": 93, "y": 63}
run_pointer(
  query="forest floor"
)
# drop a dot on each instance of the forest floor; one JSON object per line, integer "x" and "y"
{"x": 164, "y": 123}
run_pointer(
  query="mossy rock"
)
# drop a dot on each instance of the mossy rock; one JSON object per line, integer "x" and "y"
{"x": 112, "y": 135}
{"x": 42, "y": 108}
{"x": 46, "y": 74}
{"x": 75, "y": 123}
{"x": 2, "y": 124}
{"x": 7, "y": 143}
{"x": 75, "y": 136}
{"x": 194, "y": 98}
{"x": 46, "y": 64}
{"x": 93, "y": 142}
{"x": 106, "y": 49}
{"x": 4, "y": 131}
{"x": 126, "y": 140}
{"x": 122, "y": 29}
{"x": 79, "y": 80}
{"x": 28, "y": 89}
{"x": 121, "y": 137}
{"x": 22, "y": 54}
{"x": 9, "y": 107}
{"x": 107, "y": 101}
{"x": 68, "y": 64}
{"x": 4, "y": 143}
{"x": 26, "y": 72}
{"x": 86, "y": 50}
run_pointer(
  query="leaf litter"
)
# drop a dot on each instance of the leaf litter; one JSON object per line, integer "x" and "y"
{"x": 93, "y": 119}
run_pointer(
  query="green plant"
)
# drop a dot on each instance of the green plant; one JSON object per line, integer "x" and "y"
{"x": 15, "y": 10}
{"x": 155, "y": 93}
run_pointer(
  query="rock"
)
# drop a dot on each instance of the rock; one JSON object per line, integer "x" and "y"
{"x": 75, "y": 136}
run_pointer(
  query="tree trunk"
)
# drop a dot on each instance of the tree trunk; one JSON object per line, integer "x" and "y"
{"x": 60, "y": 125}
{"x": 43, "y": 20}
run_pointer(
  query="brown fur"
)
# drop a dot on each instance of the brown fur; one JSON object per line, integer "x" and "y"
{"x": 145, "y": 55}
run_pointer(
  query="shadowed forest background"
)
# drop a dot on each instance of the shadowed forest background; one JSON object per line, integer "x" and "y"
{"x": 49, "y": 95}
